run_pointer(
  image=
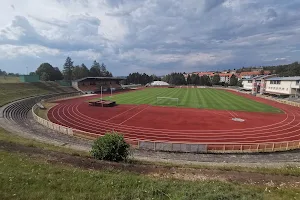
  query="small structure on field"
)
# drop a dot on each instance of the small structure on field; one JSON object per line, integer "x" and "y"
{"x": 102, "y": 103}
{"x": 29, "y": 78}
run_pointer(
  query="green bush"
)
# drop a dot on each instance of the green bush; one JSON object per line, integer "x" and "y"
{"x": 112, "y": 147}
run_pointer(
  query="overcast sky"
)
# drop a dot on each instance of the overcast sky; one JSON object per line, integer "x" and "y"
{"x": 152, "y": 36}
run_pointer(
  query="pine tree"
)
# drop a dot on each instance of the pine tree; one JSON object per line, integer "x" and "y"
{"x": 84, "y": 71}
{"x": 95, "y": 70}
{"x": 68, "y": 69}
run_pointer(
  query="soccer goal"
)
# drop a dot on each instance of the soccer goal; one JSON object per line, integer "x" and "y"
{"x": 167, "y": 101}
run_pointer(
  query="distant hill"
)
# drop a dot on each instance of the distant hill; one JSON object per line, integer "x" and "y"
{"x": 292, "y": 69}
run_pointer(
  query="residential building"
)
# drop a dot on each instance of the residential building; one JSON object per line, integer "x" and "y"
{"x": 225, "y": 77}
{"x": 256, "y": 84}
{"x": 283, "y": 85}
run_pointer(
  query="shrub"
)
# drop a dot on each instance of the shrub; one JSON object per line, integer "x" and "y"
{"x": 111, "y": 146}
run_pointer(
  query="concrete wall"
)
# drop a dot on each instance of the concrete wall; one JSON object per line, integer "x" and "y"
{"x": 75, "y": 85}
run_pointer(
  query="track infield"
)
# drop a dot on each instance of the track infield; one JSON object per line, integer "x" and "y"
{"x": 145, "y": 122}
{"x": 204, "y": 98}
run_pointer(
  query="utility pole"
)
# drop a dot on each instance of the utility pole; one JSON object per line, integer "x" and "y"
{"x": 27, "y": 70}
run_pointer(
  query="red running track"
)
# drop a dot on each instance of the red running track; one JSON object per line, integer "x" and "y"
{"x": 184, "y": 125}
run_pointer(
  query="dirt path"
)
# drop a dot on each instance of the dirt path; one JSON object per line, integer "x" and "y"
{"x": 154, "y": 170}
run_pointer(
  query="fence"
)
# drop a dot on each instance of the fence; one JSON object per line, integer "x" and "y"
{"x": 219, "y": 147}
{"x": 291, "y": 103}
{"x": 176, "y": 147}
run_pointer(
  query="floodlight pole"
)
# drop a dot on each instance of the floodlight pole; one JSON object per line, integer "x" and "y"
{"x": 101, "y": 97}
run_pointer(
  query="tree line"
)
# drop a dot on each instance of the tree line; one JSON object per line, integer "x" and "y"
{"x": 138, "y": 78}
{"x": 70, "y": 72}
{"x": 195, "y": 79}
{"x": 4, "y": 73}
{"x": 292, "y": 69}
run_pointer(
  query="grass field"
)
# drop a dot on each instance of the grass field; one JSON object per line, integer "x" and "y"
{"x": 33, "y": 177}
{"x": 27, "y": 178}
{"x": 9, "y": 79}
{"x": 14, "y": 91}
{"x": 193, "y": 98}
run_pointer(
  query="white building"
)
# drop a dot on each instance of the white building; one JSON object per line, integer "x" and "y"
{"x": 159, "y": 83}
{"x": 283, "y": 85}
{"x": 256, "y": 84}
{"x": 247, "y": 84}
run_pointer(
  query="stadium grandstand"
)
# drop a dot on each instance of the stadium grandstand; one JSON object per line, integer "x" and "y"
{"x": 91, "y": 85}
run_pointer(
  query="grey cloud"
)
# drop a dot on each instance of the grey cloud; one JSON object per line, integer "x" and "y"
{"x": 211, "y": 4}
{"x": 80, "y": 28}
{"x": 271, "y": 13}
{"x": 255, "y": 32}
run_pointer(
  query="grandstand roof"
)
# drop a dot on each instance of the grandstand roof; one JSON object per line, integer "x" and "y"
{"x": 259, "y": 77}
{"x": 100, "y": 78}
{"x": 291, "y": 78}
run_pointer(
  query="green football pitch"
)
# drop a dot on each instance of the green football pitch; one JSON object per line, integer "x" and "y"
{"x": 192, "y": 98}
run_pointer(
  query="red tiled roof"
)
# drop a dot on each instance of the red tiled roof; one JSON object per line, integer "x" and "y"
{"x": 267, "y": 72}
{"x": 225, "y": 74}
{"x": 206, "y": 73}
{"x": 249, "y": 73}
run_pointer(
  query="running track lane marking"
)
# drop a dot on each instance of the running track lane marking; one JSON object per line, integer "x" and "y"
{"x": 133, "y": 115}
{"x": 232, "y": 114}
{"x": 296, "y": 130}
{"x": 121, "y": 113}
{"x": 234, "y": 130}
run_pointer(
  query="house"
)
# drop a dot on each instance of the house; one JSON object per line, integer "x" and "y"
{"x": 209, "y": 74}
{"x": 225, "y": 77}
{"x": 283, "y": 85}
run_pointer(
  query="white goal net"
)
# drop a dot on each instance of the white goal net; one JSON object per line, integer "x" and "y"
{"x": 167, "y": 101}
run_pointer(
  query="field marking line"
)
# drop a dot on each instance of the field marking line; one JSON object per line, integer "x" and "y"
{"x": 121, "y": 113}
{"x": 232, "y": 113}
{"x": 134, "y": 115}
{"x": 236, "y": 115}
